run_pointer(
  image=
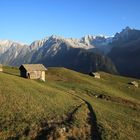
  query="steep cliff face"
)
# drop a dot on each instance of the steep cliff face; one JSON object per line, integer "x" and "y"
{"x": 125, "y": 52}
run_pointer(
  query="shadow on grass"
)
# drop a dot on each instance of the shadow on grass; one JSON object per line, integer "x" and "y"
{"x": 95, "y": 134}
{"x": 12, "y": 74}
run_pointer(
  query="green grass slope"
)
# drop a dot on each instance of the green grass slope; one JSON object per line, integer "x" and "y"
{"x": 118, "y": 115}
{"x": 69, "y": 101}
{"x": 25, "y": 104}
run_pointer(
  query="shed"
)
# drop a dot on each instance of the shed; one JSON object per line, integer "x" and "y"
{"x": 33, "y": 71}
{"x": 134, "y": 83}
{"x": 1, "y": 68}
{"x": 95, "y": 75}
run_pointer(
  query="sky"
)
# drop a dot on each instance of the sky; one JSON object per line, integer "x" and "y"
{"x": 29, "y": 20}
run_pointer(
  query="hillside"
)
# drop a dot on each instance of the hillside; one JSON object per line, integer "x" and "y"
{"x": 55, "y": 51}
{"x": 76, "y": 59}
{"x": 69, "y": 105}
{"x": 125, "y": 52}
{"x": 117, "y": 54}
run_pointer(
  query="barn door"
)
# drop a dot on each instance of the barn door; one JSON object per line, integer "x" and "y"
{"x": 28, "y": 76}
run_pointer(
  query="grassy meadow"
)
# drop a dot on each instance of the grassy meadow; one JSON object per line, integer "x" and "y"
{"x": 67, "y": 106}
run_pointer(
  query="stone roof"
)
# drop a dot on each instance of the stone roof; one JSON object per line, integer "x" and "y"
{"x": 32, "y": 67}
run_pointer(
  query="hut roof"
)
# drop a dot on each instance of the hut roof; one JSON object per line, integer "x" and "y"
{"x": 0, "y": 65}
{"x": 95, "y": 74}
{"x": 31, "y": 67}
{"x": 134, "y": 83}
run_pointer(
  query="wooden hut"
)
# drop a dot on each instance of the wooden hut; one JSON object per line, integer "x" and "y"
{"x": 1, "y": 68}
{"x": 95, "y": 75}
{"x": 134, "y": 83}
{"x": 33, "y": 71}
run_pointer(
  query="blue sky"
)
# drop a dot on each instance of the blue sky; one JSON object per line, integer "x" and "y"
{"x": 29, "y": 20}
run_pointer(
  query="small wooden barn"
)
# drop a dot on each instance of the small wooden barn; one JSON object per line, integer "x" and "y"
{"x": 95, "y": 75}
{"x": 1, "y": 68}
{"x": 134, "y": 83}
{"x": 33, "y": 71}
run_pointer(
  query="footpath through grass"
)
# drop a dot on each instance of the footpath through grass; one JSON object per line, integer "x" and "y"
{"x": 119, "y": 119}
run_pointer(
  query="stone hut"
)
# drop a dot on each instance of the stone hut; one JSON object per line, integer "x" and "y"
{"x": 95, "y": 75}
{"x": 1, "y": 68}
{"x": 33, "y": 71}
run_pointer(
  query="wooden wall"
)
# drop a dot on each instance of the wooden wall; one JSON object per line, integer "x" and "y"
{"x": 1, "y": 69}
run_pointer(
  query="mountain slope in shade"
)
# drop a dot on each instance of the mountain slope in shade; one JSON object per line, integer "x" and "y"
{"x": 62, "y": 53}
{"x": 73, "y": 58}
{"x": 58, "y": 51}
{"x": 125, "y": 52}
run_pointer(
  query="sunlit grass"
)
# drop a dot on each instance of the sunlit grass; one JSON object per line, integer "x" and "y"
{"x": 119, "y": 121}
{"x": 25, "y": 104}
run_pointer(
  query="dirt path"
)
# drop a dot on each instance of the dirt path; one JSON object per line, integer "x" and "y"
{"x": 95, "y": 134}
{"x": 94, "y": 127}
{"x": 53, "y": 129}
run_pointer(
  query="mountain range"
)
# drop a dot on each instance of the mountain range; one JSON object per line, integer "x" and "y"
{"x": 58, "y": 51}
{"x": 117, "y": 54}
{"x": 125, "y": 52}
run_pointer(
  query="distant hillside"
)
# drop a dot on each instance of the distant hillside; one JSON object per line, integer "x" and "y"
{"x": 118, "y": 54}
{"x": 78, "y": 59}
{"x": 56, "y": 51}
{"x": 69, "y": 105}
{"x": 125, "y": 52}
